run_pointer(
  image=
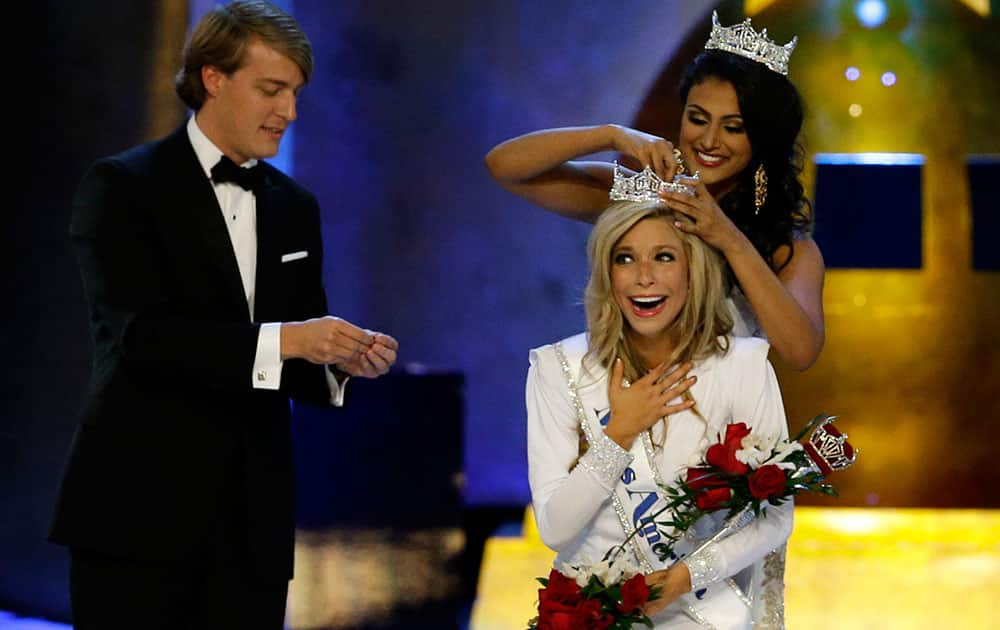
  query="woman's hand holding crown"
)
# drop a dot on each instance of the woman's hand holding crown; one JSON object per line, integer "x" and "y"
{"x": 649, "y": 150}
{"x": 708, "y": 221}
{"x": 640, "y": 405}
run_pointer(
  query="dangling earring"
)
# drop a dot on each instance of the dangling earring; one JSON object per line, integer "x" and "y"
{"x": 759, "y": 189}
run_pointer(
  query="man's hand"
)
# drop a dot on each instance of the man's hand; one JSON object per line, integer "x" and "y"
{"x": 376, "y": 360}
{"x": 334, "y": 341}
{"x": 323, "y": 340}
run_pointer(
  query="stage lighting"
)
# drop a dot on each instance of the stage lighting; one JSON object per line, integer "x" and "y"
{"x": 871, "y": 13}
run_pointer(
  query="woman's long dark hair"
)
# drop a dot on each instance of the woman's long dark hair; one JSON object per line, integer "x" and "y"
{"x": 772, "y": 116}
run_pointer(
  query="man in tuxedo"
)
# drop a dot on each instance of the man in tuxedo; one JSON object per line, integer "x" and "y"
{"x": 202, "y": 266}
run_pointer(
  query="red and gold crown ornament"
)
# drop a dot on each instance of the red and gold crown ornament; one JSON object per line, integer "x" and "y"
{"x": 827, "y": 448}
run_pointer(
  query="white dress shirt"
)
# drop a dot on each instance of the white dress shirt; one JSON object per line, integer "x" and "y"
{"x": 239, "y": 211}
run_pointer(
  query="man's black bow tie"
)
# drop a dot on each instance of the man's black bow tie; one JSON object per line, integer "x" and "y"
{"x": 246, "y": 178}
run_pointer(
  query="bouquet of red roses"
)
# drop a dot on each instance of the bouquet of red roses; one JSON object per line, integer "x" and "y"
{"x": 742, "y": 473}
{"x": 744, "y": 470}
{"x": 606, "y": 595}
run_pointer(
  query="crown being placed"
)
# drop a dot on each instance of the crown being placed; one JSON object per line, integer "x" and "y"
{"x": 742, "y": 40}
{"x": 828, "y": 448}
{"x": 644, "y": 186}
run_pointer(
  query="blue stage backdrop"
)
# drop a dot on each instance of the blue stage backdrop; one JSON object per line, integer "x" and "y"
{"x": 406, "y": 100}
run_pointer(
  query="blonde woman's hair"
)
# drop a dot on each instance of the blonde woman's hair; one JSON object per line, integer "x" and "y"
{"x": 704, "y": 320}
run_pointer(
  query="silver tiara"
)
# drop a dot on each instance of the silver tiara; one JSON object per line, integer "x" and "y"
{"x": 644, "y": 186}
{"x": 742, "y": 40}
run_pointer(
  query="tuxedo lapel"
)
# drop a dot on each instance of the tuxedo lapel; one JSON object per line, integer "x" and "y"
{"x": 270, "y": 201}
{"x": 193, "y": 195}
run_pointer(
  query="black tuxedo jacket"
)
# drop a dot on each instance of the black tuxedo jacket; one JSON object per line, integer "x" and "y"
{"x": 173, "y": 432}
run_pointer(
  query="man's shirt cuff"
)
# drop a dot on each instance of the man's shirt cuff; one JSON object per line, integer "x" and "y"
{"x": 267, "y": 362}
{"x": 337, "y": 388}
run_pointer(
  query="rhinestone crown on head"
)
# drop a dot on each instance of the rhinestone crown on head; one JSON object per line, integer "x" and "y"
{"x": 742, "y": 40}
{"x": 643, "y": 186}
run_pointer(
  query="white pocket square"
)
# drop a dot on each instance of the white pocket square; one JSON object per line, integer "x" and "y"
{"x": 294, "y": 256}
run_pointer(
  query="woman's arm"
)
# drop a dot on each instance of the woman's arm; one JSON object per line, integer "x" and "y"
{"x": 541, "y": 167}
{"x": 564, "y": 500}
{"x": 789, "y": 304}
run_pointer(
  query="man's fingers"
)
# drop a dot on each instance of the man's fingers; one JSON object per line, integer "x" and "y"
{"x": 361, "y": 352}
{"x": 385, "y": 353}
{"x": 358, "y": 366}
{"x": 346, "y": 347}
{"x": 368, "y": 368}
{"x": 385, "y": 340}
{"x": 380, "y": 364}
{"x": 349, "y": 330}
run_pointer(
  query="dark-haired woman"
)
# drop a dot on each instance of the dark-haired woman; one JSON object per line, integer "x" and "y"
{"x": 739, "y": 132}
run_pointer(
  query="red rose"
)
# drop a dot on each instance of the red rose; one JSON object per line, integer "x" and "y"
{"x": 561, "y": 588}
{"x": 711, "y": 491}
{"x": 723, "y": 455}
{"x": 736, "y": 432}
{"x": 553, "y": 615}
{"x": 767, "y": 481}
{"x": 635, "y": 593}
{"x": 557, "y": 603}
{"x": 588, "y": 616}
{"x": 713, "y": 499}
{"x": 701, "y": 478}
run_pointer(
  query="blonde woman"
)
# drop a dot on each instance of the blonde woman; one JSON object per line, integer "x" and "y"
{"x": 657, "y": 376}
